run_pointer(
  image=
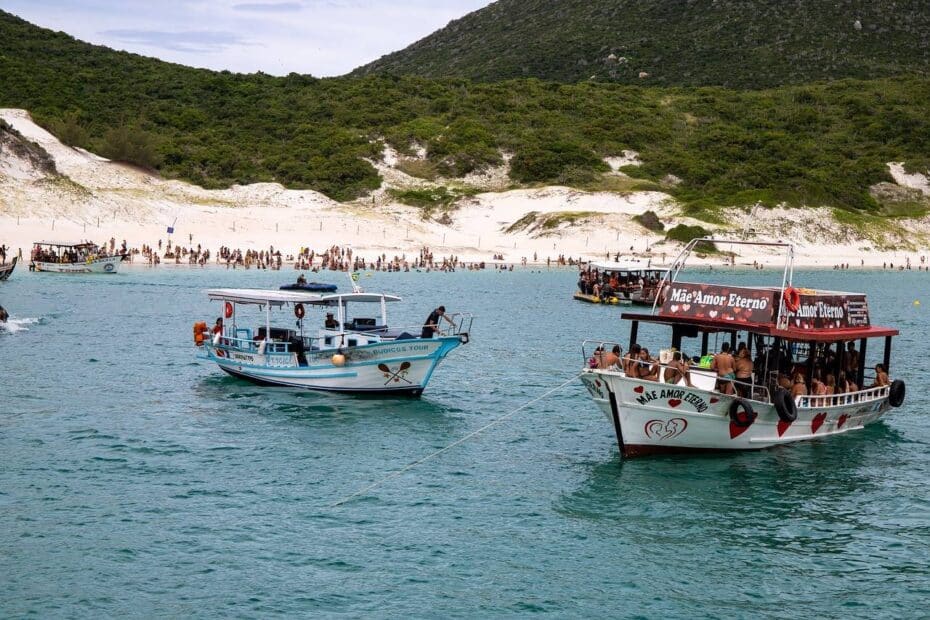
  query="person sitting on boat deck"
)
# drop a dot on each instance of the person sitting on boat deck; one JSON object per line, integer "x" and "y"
{"x": 799, "y": 388}
{"x": 630, "y": 362}
{"x": 881, "y": 377}
{"x": 330, "y": 322}
{"x": 743, "y": 368}
{"x": 609, "y": 360}
{"x": 677, "y": 369}
{"x": 301, "y": 280}
{"x": 725, "y": 366}
{"x": 648, "y": 367}
{"x": 432, "y": 322}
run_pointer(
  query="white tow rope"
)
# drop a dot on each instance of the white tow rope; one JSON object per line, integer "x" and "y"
{"x": 428, "y": 457}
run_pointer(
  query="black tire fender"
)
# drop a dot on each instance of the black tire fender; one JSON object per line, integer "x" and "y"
{"x": 896, "y": 393}
{"x": 741, "y": 413}
{"x": 785, "y": 406}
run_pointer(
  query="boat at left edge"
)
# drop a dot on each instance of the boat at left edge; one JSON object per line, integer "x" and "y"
{"x": 363, "y": 354}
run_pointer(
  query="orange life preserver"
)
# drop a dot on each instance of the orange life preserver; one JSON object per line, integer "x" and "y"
{"x": 792, "y": 299}
{"x": 299, "y": 311}
{"x": 199, "y": 329}
{"x": 228, "y": 310}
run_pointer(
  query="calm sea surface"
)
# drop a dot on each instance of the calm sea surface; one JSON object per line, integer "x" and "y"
{"x": 138, "y": 481}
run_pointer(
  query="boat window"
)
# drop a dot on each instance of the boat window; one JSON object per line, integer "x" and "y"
{"x": 353, "y": 342}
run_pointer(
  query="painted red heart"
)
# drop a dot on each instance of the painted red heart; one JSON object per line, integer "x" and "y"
{"x": 818, "y": 421}
{"x": 736, "y": 431}
{"x": 714, "y": 401}
{"x": 840, "y": 421}
{"x": 673, "y": 402}
{"x": 597, "y": 382}
{"x": 782, "y": 427}
{"x": 639, "y": 389}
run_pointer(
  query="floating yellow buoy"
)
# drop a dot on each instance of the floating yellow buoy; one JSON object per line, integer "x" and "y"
{"x": 339, "y": 359}
{"x": 916, "y": 302}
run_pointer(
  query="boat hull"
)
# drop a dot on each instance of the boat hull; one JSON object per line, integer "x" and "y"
{"x": 6, "y": 269}
{"x": 654, "y": 418}
{"x": 107, "y": 265}
{"x": 402, "y": 367}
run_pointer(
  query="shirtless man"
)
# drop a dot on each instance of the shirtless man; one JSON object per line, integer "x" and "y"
{"x": 881, "y": 377}
{"x": 725, "y": 366}
{"x": 799, "y": 388}
{"x": 852, "y": 361}
{"x": 609, "y": 360}
{"x": 676, "y": 369}
{"x": 743, "y": 368}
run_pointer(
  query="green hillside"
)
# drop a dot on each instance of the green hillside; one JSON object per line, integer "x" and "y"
{"x": 822, "y": 144}
{"x": 732, "y": 43}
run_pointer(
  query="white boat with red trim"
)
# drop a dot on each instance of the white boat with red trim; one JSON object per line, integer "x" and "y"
{"x": 358, "y": 355}
{"x": 793, "y": 338}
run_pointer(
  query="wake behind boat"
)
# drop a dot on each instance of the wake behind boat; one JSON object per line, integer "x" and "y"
{"x": 358, "y": 355}
{"x": 73, "y": 258}
{"x": 798, "y": 374}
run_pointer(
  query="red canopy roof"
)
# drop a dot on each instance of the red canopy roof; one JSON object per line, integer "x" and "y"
{"x": 799, "y": 334}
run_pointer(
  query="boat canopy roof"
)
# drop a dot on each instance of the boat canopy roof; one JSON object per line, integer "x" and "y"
{"x": 626, "y": 266}
{"x": 279, "y": 297}
{"x": 61, "y": 244}
{"x": 798, "y": 334}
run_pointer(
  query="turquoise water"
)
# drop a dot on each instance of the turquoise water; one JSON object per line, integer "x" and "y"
{"x": 138, "y": 481}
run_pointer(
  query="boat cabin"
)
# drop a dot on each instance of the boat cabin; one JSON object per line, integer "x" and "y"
{"x": 634, "y": 282}
{"x": 334, "y": 329}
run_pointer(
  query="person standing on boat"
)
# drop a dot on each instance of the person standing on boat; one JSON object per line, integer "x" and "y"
{"x": 852, "y": 361}
{"x": 725, "y": 366}
{"x": 432, "y": 322}
{"x": 2, "y": 254}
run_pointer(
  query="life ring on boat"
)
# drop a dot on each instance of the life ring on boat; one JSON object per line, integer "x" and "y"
{"x": 228, "y": 310}
{"x": 299, "y": 311}
{"x": 792, "y": 299}
{"x": 741, "y": 413}
{"x": 785, "y": 406}
{"x": 896, "y": 393}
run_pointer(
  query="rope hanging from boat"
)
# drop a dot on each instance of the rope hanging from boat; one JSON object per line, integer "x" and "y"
{"x": 428, "y": 457}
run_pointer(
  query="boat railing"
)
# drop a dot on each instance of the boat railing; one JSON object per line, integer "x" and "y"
{"x": 461, "y": 324}
{"x": 602, "y": 345}
{"x": 815, "y": 401}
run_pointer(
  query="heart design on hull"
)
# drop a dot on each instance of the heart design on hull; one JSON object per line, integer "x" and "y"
{"x": 736, "y": 431}
{"x": 639, "y": 389}
{"x": 782, "y": 427}
{"x": 661, "y": 429}
{"x": 818, "y": 421}
{"x": 840, "y": 421}
{"x": 673, "y": 402}
{"x": 714, "y": 401}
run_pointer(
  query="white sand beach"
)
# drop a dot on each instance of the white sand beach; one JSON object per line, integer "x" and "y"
{"x": 96, "y": 199}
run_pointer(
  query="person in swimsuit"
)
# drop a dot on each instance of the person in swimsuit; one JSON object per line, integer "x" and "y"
{"x": 630, "y": 362}
{"x": 743, "y": 370}
{"x": 676, "y": 370}
{"x": 725, "y": 366}
{"x": 881, "y": 377}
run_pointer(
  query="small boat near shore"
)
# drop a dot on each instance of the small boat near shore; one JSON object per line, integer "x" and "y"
{"x": 73, "y": 258}
{"x": 793, "y": 337}
{"x": 619, "y": 283}
{"x": 6, "y": 269}
{"x": 313, "y": 287}
{"x": 363, "y": 354}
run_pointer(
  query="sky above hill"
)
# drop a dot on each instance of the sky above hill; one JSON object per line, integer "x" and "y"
{"x": 319, "y": 37}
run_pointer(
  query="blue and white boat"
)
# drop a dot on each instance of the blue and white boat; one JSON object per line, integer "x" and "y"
{"x": 358, "y": 355}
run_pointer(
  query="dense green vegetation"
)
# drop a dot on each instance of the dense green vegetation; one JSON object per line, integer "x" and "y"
{"x": 733, "y": 43}
{"x": 821, "y": 144}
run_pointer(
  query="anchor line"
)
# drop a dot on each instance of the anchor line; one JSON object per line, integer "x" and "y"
{"x": 433, "y": 455}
